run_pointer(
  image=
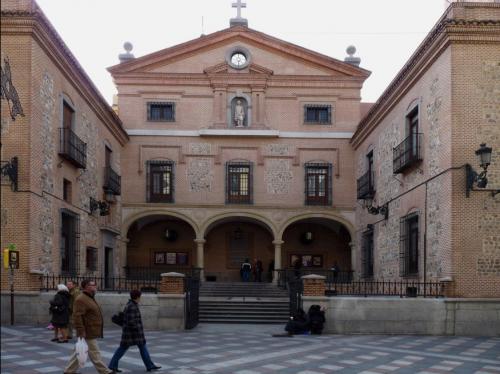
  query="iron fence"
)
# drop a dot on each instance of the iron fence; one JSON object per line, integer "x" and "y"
{"x": 404, "y": 288}
{"x": 287, "y": 275}
{"x": 154, "y": 273}
{"x": 111, "y": 284}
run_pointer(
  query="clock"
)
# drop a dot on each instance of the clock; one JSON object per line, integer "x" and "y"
{"x": 238, "y": 59}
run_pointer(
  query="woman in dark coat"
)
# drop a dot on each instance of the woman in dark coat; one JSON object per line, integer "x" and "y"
{"x": 132, "y": 334}
{"x": 59, "y": 308}
{"x": 298, "y": 323}
{"x": 316, "y": 319}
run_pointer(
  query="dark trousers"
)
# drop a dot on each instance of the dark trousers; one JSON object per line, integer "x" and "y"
{"x": 113, "y": 364}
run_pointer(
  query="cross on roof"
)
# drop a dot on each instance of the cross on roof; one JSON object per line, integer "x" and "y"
{"x": 239, "y": 5}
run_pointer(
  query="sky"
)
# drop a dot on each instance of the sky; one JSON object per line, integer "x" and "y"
{"x": 384, "y": 32}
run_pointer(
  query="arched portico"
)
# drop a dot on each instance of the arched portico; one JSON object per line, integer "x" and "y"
{"x": 231, "y": 238}
{"x": 159, "y": 241}
{"x": 316, "y": 240}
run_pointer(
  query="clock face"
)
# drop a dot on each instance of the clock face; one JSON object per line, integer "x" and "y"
{"x": 238, "y": 59}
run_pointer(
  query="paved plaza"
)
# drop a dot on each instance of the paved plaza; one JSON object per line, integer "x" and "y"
{"x": 240, "y": 349}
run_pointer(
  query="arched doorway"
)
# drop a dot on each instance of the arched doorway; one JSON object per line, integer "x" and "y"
{"x": 157, "y": 244}
{"x": 317, "y": 243}
{"x": 231, "y": 240}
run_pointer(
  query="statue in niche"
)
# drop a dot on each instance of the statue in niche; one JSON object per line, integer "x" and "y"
{"x": 239, "y": 114}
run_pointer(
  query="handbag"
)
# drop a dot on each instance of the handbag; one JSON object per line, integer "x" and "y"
{"x": 82, "y": 351}
{"x": 118, "y": 318}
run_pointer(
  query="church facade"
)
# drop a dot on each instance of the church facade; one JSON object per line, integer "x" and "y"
{"x": 237, "y": 145}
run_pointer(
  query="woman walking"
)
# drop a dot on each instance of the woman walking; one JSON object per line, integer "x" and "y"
{"x": 59, "y": 308}
{"x": 132, "y": 334}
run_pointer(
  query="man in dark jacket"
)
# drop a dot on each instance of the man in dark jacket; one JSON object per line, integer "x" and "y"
{"x": 88, "y": 322}
{"x": 132, "y": 334}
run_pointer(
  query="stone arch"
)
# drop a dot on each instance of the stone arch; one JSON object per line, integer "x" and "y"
{"x": 348, "y": 225}
{"x": 255, "y": 218}
{"x": 158, "y": 212}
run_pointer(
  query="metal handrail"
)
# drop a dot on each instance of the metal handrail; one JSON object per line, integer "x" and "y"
{"x": 72, "y": 148}
{"x": 407, "y": 152}
{"x": 112, "y": 180}
{"x": 366, "y": 185}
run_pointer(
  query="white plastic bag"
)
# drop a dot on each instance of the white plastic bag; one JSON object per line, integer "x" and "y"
{"x": 82, "y": 351}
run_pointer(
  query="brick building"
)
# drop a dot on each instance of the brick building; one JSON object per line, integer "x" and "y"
{"x": 411, "y": 151}
{"x": 68, "y": 144}
{"x": 239, "y": 145}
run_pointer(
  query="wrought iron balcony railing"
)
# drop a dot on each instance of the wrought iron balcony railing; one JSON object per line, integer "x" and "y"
{"x": 112, "y": 181}
{"x": 72, "y": 148}
{"x": 366, "y": 185}
{"x": 407, "y": 153}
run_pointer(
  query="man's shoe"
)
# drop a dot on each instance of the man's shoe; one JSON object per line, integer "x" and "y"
{"x": 154, "y": 368}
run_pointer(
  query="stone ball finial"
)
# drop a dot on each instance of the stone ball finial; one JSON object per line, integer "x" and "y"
{"x": 128, "y": 46}
{"x": 350, "y": 59}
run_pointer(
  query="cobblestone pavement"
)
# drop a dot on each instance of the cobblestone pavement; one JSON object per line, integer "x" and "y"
{"x": 215, "y": 349}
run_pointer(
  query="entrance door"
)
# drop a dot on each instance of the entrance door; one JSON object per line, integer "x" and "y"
{"x": 108, "y": 267}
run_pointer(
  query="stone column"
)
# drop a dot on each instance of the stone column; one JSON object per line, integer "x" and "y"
{"x": 277, "y": 258}
{"x": 314, "y": 285}
{"x": 172, "y": 283}
{"x": 200, "y": 260}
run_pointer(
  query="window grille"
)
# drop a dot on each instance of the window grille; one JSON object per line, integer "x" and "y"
{"x": 160, "y": 181}
{"x": 91, "y": 259}
{"x": 239, "y": 183}
{"x": 409, "y": 234}
{"x": 161, "y": 111}
{"x": 318, "y": 184}
{"x": 318, "y": 114}
{"x": 70, "y": 243}
{"x": 367, "y": 253}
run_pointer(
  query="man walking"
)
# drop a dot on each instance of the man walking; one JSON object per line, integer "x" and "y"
{"x": 73, "y": 294}
{"x": 132, "y": 334}
{"x": 87, "y": 318}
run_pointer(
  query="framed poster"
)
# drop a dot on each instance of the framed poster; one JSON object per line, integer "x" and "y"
{"x": 317, "y": 260}
{"x": 306, "y": 260}
{"x": 171, "y": 258}
{"x": 182, "y": 258}
{"x": 159, "y": 258}
{"x": 293, "y": 259}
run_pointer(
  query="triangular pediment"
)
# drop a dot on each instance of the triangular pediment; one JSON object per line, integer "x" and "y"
{"x": 204, "y": 55}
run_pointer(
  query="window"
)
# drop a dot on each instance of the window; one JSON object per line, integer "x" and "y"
{"x": 68, "y": 115}
{"x": 160, "y": 181}
{"x": 318, "y": 183}
{"x": 69, "y": 242}
{"x": 409, "y": 245}
{"x": 67, "y": 190}
{"x": 91, "y": 259}
{"x": 407, "y": 153}
{"x": 239, "y": 183}
{"x": 366, "y": 183}
{"x": 367, "y": 253}
{"x": 161, "y": 112}
{"x": 318, "y": 114}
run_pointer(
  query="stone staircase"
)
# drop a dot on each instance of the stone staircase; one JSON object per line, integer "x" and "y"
{"x": 255, "y": 303}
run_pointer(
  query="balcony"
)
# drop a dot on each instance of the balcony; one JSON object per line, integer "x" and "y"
{"x": 72, "y": 148}
{"x": 366, "y": 185}
{"x": 407, "y": 153}
{"x": 112, "y": 181}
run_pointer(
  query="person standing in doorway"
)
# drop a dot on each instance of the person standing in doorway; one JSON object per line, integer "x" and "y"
{"x": 246, "y": 269}
{"x": 74, "y": 291}
{"x": 257, "y": 270}
{"x": 87, "y": 318}
{"x": 132, "y": 334}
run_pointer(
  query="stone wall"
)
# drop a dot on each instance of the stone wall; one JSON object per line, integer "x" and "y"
{"x": 384, "y": 315}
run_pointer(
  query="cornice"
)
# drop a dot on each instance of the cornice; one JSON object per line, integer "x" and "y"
{"x": 446, "y": 32}
{"x": 38, "y": 26}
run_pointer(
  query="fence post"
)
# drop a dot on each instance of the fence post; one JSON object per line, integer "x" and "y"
{"x": 448, "y": 286}
{"x": 314, "y": 285}
{"x": 172, "y": 283}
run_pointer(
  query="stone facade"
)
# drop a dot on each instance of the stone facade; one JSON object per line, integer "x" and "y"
{"x": 454, "y": 87}
{"x": 46, "y": 75}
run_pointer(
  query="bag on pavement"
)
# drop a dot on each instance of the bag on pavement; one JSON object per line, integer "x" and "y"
{"x": 82, "y": 351}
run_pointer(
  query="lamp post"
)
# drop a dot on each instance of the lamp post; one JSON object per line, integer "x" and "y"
{"x": 383, "y": 209}
{"x": 471, "y": 176}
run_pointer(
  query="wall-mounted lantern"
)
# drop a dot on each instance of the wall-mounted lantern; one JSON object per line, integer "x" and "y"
{"x": 10, "y": 169}
{"x": 103, "y": 207}
{"x": 472, "y": 178}
{"x": 383, "y": 209}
